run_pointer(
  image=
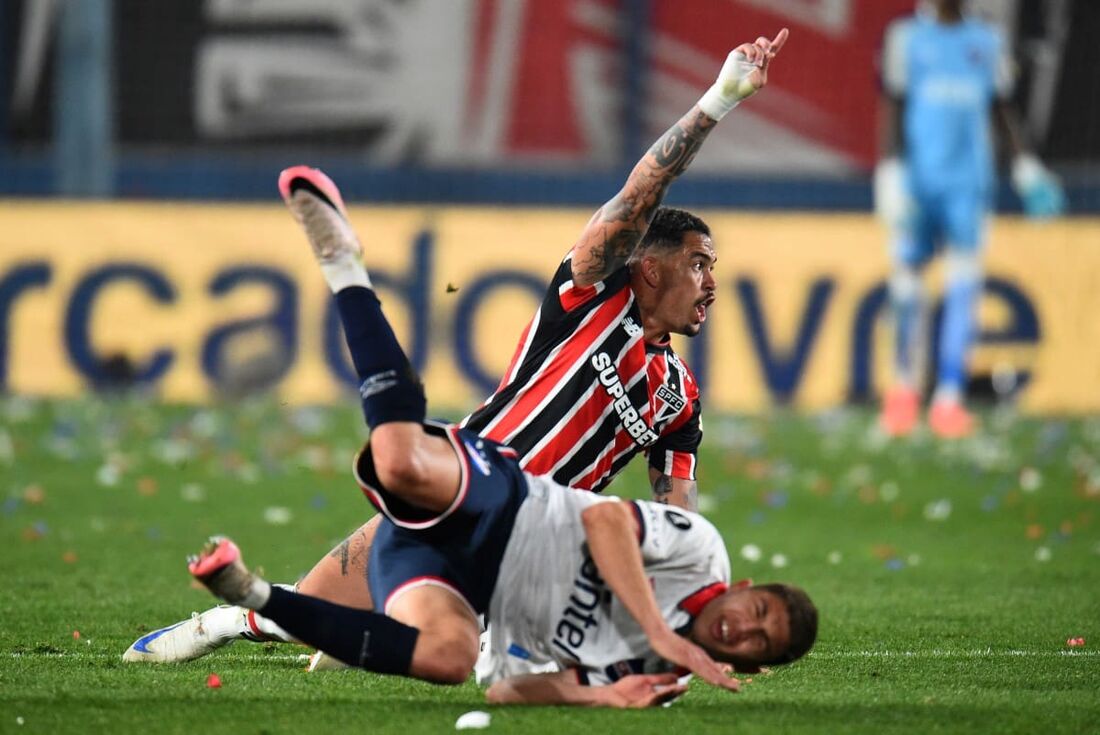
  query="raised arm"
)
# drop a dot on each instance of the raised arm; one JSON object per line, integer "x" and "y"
{"x": 619, "y": 225}
{"x": 611, "y": 529}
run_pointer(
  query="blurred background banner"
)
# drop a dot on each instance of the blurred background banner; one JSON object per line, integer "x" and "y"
{"x": 200, "y": 301}
{"x": 525, "y": 101}
{"x": 497, "y": 126}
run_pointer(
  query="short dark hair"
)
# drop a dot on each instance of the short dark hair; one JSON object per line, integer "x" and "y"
{"x": 668, "y": 228}
{"x": 803, "y": 621}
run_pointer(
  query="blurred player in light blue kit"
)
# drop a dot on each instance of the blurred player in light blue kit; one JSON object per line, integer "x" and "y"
{"x": 943, "y": 74}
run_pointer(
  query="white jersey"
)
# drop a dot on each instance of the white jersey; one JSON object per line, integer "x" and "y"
{"x": 550, "y": 610}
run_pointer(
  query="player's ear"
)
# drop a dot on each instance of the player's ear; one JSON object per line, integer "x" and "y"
{"x": 651, "y": 270}
{"x": 741, "y": 584}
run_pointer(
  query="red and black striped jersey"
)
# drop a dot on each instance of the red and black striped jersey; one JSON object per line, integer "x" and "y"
{"x": 585, "y": 392}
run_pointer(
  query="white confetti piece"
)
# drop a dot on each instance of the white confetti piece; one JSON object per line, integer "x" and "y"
{"x": 889, "y": 492}
{"x": 938, "y": 510}
{"x": 108, "y": 475}
{"x": 1030, "y": 479}
{"x": 751, "y": 552}
{"x": 834, "y": 557}
{"x": 476, "y": 720}
{"x": 173, "y": 451}
{"x": 779, "y": 561}
{"x": 278, "y": 515}
{"x": 913, "y": 560}
{"x": 1042, "y": 554}
{"x": 193, "y": 493}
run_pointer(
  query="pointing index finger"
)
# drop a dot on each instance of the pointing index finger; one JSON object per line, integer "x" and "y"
{"x": 779, "y": 40}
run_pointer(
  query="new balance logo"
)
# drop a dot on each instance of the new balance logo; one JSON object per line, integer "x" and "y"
{"x": 631, "y": 327}
{"x": 377, "y": 383}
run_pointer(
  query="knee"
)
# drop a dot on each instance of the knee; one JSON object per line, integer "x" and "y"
{"x": 445, "y": 662}
{"x": 398, "y": 460}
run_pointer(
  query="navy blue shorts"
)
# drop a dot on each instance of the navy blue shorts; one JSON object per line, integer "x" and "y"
{"x": 459, "y": 549}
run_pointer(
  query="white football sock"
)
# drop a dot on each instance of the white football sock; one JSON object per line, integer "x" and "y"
{"x": 250, "y": 625}
{"x": 345, "y": 271}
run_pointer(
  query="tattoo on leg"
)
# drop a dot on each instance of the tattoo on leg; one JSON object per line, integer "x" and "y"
{"x": 341, "y": 552}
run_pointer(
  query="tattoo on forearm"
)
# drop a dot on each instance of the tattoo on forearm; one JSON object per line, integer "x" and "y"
{"x": 624, "y": 220}
{"x": 662, "y": 488}
{"x": 676, "y": 149}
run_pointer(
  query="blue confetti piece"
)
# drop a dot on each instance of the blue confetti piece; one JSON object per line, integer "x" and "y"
{"x": 318, "y": 502}
{"x": 40, "y": 528}
{"x": 990, "y": 503}
{"x": 776, "y": 499}
{"x": 153, "y": 533}
{"x": 10, "y": 506}
{"x": 895, "y": 564}
{"x": 757, "y": 517}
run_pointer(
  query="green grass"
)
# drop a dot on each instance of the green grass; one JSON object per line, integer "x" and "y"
{"x": 956, "y": 623}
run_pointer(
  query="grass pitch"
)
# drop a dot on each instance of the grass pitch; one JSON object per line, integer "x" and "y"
{"x": 949, "y": 575}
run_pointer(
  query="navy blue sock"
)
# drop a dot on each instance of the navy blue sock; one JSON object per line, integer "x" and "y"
{"x": 360, "y": 638}
{"x": 389, "y": 387}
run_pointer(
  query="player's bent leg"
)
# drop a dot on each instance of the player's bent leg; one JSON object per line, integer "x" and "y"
{"x": 448, "y": 645}
{"x": 315, "y": 202}
{"x": 357, "y": 637}
{"x": 341, "y": 575}
{"x": 420, "y": 468}
{"x": 205, "y": 632}
{"x": 188, "y": 639}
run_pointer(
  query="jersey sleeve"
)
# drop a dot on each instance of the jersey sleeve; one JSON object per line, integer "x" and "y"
{"x": 674, "y": 453}
{"x": 673, "y": 536}
{"x": 565, "y": 297}
{"x": 895, "y": 62}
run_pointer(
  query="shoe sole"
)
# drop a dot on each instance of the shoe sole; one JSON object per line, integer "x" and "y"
{"x": 217, "y": 555}
{"x": 314, "y": 181}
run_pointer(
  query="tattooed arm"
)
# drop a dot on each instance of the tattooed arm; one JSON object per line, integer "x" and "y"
{"x": 674, "y": 491}
{"x": 619, "y": 225}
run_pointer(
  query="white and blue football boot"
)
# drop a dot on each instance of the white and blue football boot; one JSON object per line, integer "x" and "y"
{"x": 188, "y": 639}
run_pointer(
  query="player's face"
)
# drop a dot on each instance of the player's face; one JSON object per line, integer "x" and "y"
{"x": 687, "y": 285}
{"x": 746, "y": 626}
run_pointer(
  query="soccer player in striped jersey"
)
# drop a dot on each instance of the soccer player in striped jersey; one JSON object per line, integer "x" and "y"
{"x": 589, "y": 600}
{"x": 593, "y": 382}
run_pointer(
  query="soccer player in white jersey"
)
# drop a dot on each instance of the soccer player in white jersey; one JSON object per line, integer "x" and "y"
{"x": 943, "y": 73}
{"x": 593, "y": 382}
{"x": 628, "y": 595}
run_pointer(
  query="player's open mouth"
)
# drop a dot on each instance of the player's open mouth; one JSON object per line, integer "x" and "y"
{"x": 722, "y": 630}
{"x": 701, "y": 309}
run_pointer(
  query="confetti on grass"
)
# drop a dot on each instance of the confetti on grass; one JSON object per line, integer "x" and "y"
{"x": 751, "y": 552}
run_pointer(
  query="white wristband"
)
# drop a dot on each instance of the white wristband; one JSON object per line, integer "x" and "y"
{"x": 715, "y": 104}
{"x": 732, "y": 86}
